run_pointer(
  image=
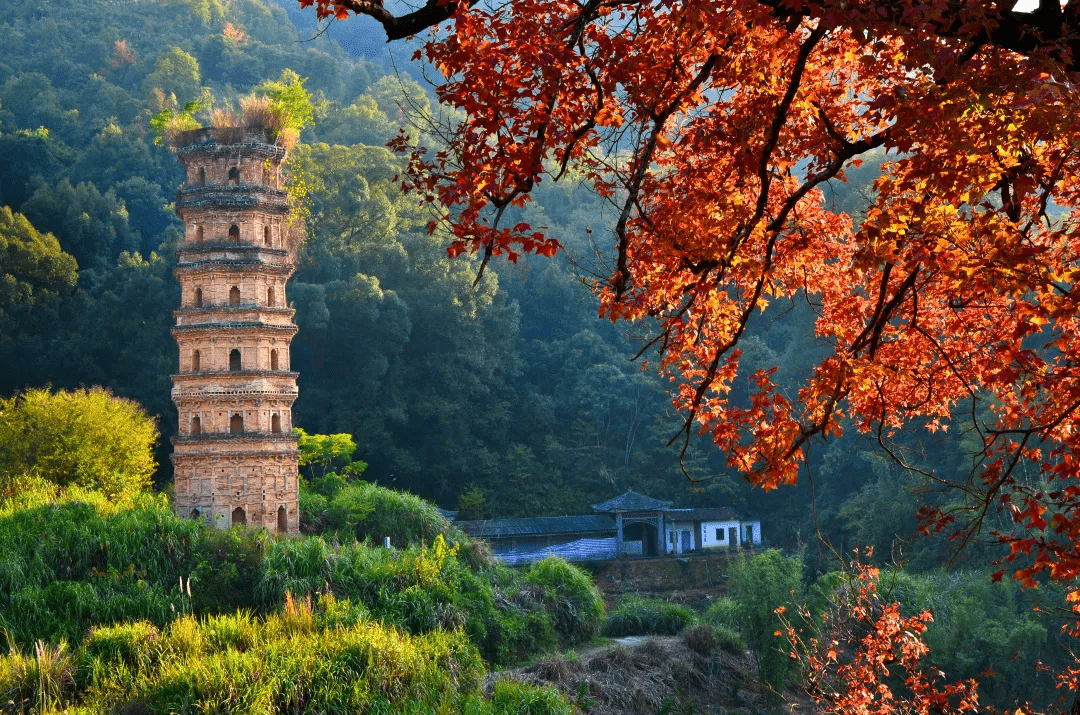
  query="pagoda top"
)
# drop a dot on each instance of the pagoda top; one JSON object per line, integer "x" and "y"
{"x": 255, "y": 139}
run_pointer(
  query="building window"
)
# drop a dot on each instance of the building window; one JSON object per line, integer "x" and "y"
{"x": 234, "y": 175}
{"x": 202, "y": 176}
{"x": 273, "y": 360}
{"x": 234, "y": 297}
{"x": 239, "y": 518}
{"x": 234, "y": 360}
{"x": 236, "y": 424}
{"x": 234, "y": 234}
{"x": 266, "y": 235}
{"x": 282, "y": 520}
{"x": 196, "y": 425}
{"x": 270, "y": 297}
{"x": 719, "y": 534}
{"x": 198, "y": 298}
{"x": 198, "y": 234}
{"x": 275, "y": 424}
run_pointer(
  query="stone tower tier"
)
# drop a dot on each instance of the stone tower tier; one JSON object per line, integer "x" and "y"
{"x": 193, "y": 317}
{"x": 255, "y": 384}
{"x": 198, "y": 330}
{"x": 217, "y": 143}
{"x": 202, "y": 445}
{"x": 232, "y": 196}
{"x": 235, "y": 415}
{"x": 228, "y": 253}
{"x": 246, "y": 267}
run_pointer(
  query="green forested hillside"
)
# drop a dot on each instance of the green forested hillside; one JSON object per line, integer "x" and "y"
{"x": 514, "y": 382}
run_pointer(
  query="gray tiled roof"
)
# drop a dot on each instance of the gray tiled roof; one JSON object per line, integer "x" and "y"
{"x": 722, "y": 513}
{"x": 631, "y": 501}
{"x": 539, "y": 526}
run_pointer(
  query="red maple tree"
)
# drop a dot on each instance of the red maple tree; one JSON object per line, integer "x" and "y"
{"x": 713, "y": 125}
{"x": 862, "y": 647}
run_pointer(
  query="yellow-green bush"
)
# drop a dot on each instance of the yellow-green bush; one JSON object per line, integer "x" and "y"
{"x": 87, "y": 438}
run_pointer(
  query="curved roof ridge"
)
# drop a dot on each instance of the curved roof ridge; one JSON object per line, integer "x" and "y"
{"x": 631, "y": 501}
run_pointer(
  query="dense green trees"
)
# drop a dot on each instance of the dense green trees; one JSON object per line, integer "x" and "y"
{"x": 94, "y": 226}
{"x": 33, "y": 268}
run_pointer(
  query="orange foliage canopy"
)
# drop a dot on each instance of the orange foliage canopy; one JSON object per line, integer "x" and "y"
{"x": 713, "y": 125}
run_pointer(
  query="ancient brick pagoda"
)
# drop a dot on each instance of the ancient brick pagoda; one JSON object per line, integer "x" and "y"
{"x": 235, "y": 456}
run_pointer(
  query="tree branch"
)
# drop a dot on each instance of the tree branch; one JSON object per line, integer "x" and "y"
{"x": 402, "y": 26}
{"x": 1048, "y": 26}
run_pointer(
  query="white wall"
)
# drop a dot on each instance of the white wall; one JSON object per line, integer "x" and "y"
{"x": 755, "y": 527}
{"x": 708, "y": 533}
{"x": 677, "y": 528}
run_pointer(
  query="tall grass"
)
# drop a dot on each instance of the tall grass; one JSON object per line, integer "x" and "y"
{"x": 37, "y": 682}
{"x": 290, "y": 661}
{"x": 570, "y": 596}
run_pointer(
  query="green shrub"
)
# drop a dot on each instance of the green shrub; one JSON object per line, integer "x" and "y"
{"x": 329, "y": 486}
{"x": 128, "y": 644}
{"x": 759, "y": 585}
{"x": 368, "y": 511}
{"x": 728, "y": 639}
{"x": 361, "y": 511}
{"x": 414, "y": 589}
{"x": 511, "y": 698}
{"x": 521, "y": 632}
{"x": 225, "y": 567}
{"x": 722, "y": 612}
{"x": 570, "y": 596}
{"x": 87, "y": 438}
{"x": 704, "y": 639}
{"x": 634, "y": 616}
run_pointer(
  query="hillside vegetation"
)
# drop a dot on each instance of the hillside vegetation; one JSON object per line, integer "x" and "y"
{"x": 109, "y": 603}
